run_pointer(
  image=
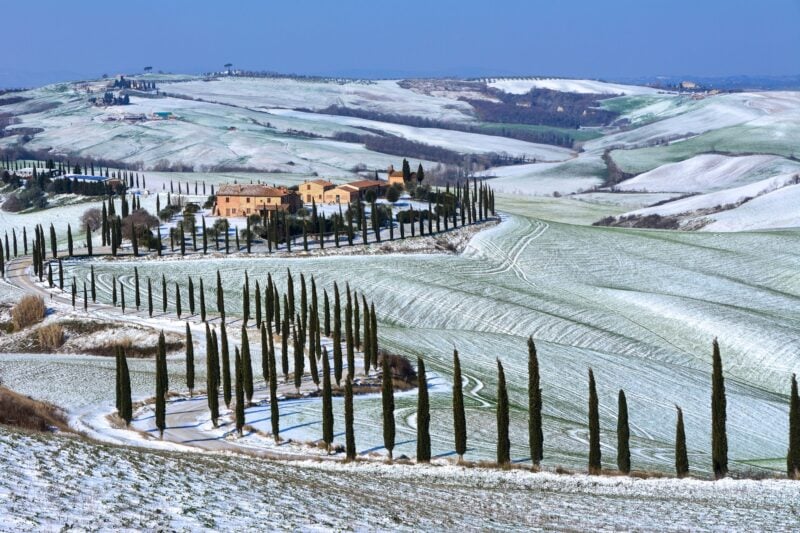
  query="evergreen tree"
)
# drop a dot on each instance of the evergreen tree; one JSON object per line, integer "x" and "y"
{"x": 161, "y": 385}
{"x": 503, "y": 420}
{"x": 356, "y": 322}
{"x": 191, "y": 296}
{"x": 149, "y": 298}
{"x": 349, "y": 434}
{"x": 595, "y": 457}
{"x": 69, "y": 240}
{"x": 719, "y": 437}
{"x": 75, "y": 294}
{"x": 285, "y": 342}
{"x": 327, "y": 311}
{"x": 459, "y": 417}
{"x": 258, "y": 305}
{"x": 220, "y": 298}
{"x": 327, "y": 402}
{"x": 298, "y": 354}
{"x": 226, "y": 366}
{"x": 126, "y": 405}
{"x": 337, "y": 335}
{"x": 367, "y": 337}
{"x": 88, "y": 240}
{"x": 212, "y": 379}
{"x": 177, "y": 300}
{"x": 264, "y": 354}
{"x": 373, "y": 331}
{"x": 239, "y": 392}
{"x": 53, "y": 250}
{"x": 189, "y": 360}
{"x": 136, "y": 295}
{"x": 423, "y": 416}
{"x": 348, "y": 333}
{"x": 247, "y": 366}
{"x": 793, "y": 457}
{"x": 681, "y": 456}
{"x": 205, "y": 237}
{"x": 202, "y": 301}
{"x": 273, "y": 391}
{"x": 387, "y": 397}
{"x": 134, "y": 241}
{"x": 535, "y": 435}
{"x": 623, "y": 436}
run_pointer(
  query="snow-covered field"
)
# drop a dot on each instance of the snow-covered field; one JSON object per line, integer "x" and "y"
{"x": 524, "y": 85}
{"x": 54, "y": 483}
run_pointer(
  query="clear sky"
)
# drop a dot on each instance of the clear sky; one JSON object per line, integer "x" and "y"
{"x": 52, "y": 40}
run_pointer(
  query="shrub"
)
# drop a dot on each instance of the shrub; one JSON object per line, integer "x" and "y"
{"x": 21, "y": 411}
{"x": 51, "y": 337}
{"x": 30, "y": 310}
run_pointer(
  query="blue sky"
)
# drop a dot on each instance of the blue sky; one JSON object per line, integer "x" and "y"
{"x": 51, "y": 40}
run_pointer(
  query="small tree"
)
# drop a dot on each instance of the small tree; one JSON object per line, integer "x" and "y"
{"x": 623, "y": 436}
{"x": 423, "y": 416}
{"x": 535, "y": 435}
{"x": 793, "y": 457}
{"x": 239, "y": 392}
{"x": 595, "y": 457}
{"x": 503, "y": 442}
{"x": 349, "y": 434}
{"x": 681, "y": 457}
{"x": 161, "y": 385}
{"x": 387, "y": 398}
{"x": 189, "y": 360}
{"x": 459, "y": 418}
{"x": 327, "y": 402}
{"x": 719, "y": 437}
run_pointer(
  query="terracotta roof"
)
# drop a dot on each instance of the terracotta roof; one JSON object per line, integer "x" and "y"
{"x": 324, "y": 183}
{"x": 250, "y": 190}
{"x": 364, "y": 184}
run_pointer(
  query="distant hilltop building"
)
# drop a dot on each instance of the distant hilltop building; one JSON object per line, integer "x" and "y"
{"x": 245, "y": 200}
{"x": 689, "y": 85}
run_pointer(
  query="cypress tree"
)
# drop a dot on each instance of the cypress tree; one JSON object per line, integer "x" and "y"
{"x": 719, "y": 438}
{"x": 75, "y": 293}
{"x": 285, "y": 343}
{"x": 247, "y": 366}
{"x": 212, "y": 379}
{"x": 163, "y": 293}
{"x": 85, "y": 298}
{"x": 191, "y": 296}
{"x": 459, "y": 418}
{"x": 535, "y": 435}
{"x": 226, "y": 366}
{"x": 349, "y": 434}
{"x": 258, "y": 305}
{"x": 373, "y": 331}
{"x": 623, "y": 436}
{"x": 220, "y": 298}
{"x": 793, "y": 457}
{"x": 595, "y": 457}
{"x": 118, "y": 380}
{"x": 356, "y": 322}
{"x": 273, "y": 389}
{"x": 149, "y": 298}
{"x": 53, "y": 250}
{"x": 423, "y": 416}
{"x": 367, "y": 337}
{"x": 348, "y": 333}
{"x": 183, "y": 239}
{"x": 88, "y": 240}
{"x": 327, "y": 311}
{"x": 61, "y": 277}
{"x": 337, "y": 334}
{"x": 290, "y": 294}
{"x": 161, "y": 389}
{"x": 239, "y": 392}
{"x": 126, "y": 405}
{"x": 312, "y": 355}
{"x": 202, "y": 301}
{"x": 134, "y": 241}
{"x": 2, "y": 261}
{"x": 136, "y": 287}
{"x": 177, "y": 299}
{"x": 298, "y": 355}
{"x": 681, "y": 456}
{"x": 327, "y": 402}
{"x": 69, "y": 240}
{"x": 387, "y": 398}
{"x": 50, "y": 274}
{"x": 303, "y": 302}
{"x": 264, "y": 354}
{"x": 189, "y": 361}
{"x": 205, "y": 237}
{"x": 503, "y": 442}
{"x": 121, "y": 296}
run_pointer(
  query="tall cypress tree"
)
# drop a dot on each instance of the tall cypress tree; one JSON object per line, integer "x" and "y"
{"x": 88, "y": 240}
{"x": 202, "y": 301}
{"x": 177, "y": 299}
{"x": 367, "y": 337}
{"x": 247, "y": 366}
{"x": 373, "y": 331}
{"x": 189, "y": 361}
{"x": 212, "y": 380}
{"x": 298, "y": 354}
{"x": 719, "y": 437}
{"x": 681, "y": 457}
{"x": 220, "y": 298}
{"x": 327, "y": 402}
{"x": 258, "y": 305}
{"x": 503, "y": 419}
{"x": 356, "y": 322}
{"x": 793, "y": 457}
{"x": 327, "y": 311}
{"x": 226, "y": 366}
{"x": 535, "y": 435}
{"x": 239, "y": 368}
{"x": 285, "y": 342}
{"x": 191, "y": 296}
{"x": 69, "y": 241}
{"x": 349, "y": 434}
{"x": 149, "y": 298}
{"x": 623, "y": 436}
{"x": 161, "y": 389}
{"x": 387, "y": 397}
{"x": 126, "y": 405}
{"x": 423, "y": 416}
{"x": 264, "y": 354}
{"x": 164, "y": 297}
{"x": 273, "y": 391}
{"x": 137, "y": 296}
{"x": 459, "y": 417}
{"x": 595, "y": 457}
